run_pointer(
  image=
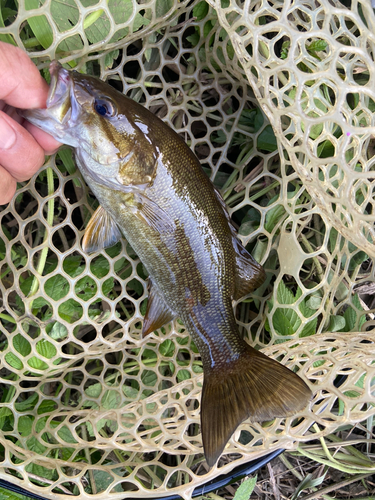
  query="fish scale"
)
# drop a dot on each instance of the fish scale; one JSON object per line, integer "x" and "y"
{"x": 153, "y": 190}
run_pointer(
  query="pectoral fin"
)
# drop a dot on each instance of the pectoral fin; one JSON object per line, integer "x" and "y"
{"x": 157, "y": 313}
{"x": 155, "y": 216}
{"x": 149, "y": 212}
{"x": 250, "y": 275}
{"x": 101, "y": 232}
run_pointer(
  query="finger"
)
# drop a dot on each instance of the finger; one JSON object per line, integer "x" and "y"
{"x": 47, "y": 142}
{"x": 21, "y": 84}
{"x": 7, "y": 186}
{"x": 20, "y": 153}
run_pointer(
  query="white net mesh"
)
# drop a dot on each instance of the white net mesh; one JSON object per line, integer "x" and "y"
{"x": 90, "y": 409}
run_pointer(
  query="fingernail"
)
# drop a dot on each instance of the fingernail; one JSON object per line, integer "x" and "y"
{"x": 7, "y": 135}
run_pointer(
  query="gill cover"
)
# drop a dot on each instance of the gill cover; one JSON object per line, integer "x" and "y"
{"x": 110, "y": 138}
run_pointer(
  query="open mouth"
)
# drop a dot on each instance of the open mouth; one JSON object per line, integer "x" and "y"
{"x": 58, "y": 101}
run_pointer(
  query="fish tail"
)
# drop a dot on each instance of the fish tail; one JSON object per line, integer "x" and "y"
{"x": 252, "y": 386}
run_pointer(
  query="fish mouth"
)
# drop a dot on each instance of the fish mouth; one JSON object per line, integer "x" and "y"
{"x": 59, "y": 102}
{"x": 62, "y": 112}
{"x": 60, "y": 108}
{"x": 67, "y": 115}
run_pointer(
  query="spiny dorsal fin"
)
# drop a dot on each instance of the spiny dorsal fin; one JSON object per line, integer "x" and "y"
{"x": 157, "y": 313}
{"x": 252, "y": 386}
{"x": 101, "y": 232}
{"x": 221, "y": 200}
{"x": 250, "y": 275}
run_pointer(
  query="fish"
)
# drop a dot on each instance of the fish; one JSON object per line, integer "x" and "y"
{"x": 153, "y": 192}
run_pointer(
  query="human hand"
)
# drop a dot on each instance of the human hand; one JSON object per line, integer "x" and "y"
{"x": 22, "y": 145}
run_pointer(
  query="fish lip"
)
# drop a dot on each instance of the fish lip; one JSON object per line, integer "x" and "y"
{"x": 58, "y": 101}
{"x": 60, "y": 81}
{"x": 66, "y": 103}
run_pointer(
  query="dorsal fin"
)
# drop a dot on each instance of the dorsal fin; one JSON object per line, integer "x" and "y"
{"x": 101, "y": 232}
{"x": 221, "y": 200}
{"x": 158, "y": 313}
{"x": 250, "y": 275}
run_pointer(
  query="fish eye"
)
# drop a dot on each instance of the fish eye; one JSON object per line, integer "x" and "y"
{"x": 104, "y": 107}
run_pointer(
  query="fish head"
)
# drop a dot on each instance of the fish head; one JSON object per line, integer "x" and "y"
{"x": 111, "y": 139}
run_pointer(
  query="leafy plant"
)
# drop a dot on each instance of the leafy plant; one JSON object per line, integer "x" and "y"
{"x": 286, "y": 320}
{"x": 10, "y": 495}
{"x": 245, "y": 489}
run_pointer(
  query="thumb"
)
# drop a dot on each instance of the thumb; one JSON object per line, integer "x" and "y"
{"x": 7, "y": 133}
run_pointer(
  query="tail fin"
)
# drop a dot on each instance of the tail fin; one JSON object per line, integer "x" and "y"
{"x": 253, "y": 386}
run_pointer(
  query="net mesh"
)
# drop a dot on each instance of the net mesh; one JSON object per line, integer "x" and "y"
{"x": 277, "y": 101}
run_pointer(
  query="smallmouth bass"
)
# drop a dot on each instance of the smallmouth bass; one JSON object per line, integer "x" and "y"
{"x": 153, "y": 191}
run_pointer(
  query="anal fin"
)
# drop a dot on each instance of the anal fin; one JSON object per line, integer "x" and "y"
{"x": 101, "y": 232}
{"x": 158, "y": 313}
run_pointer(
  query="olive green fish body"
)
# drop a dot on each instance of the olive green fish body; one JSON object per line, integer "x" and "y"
{"x": 153, "y": 190}
{"x": 191, "y": 267}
